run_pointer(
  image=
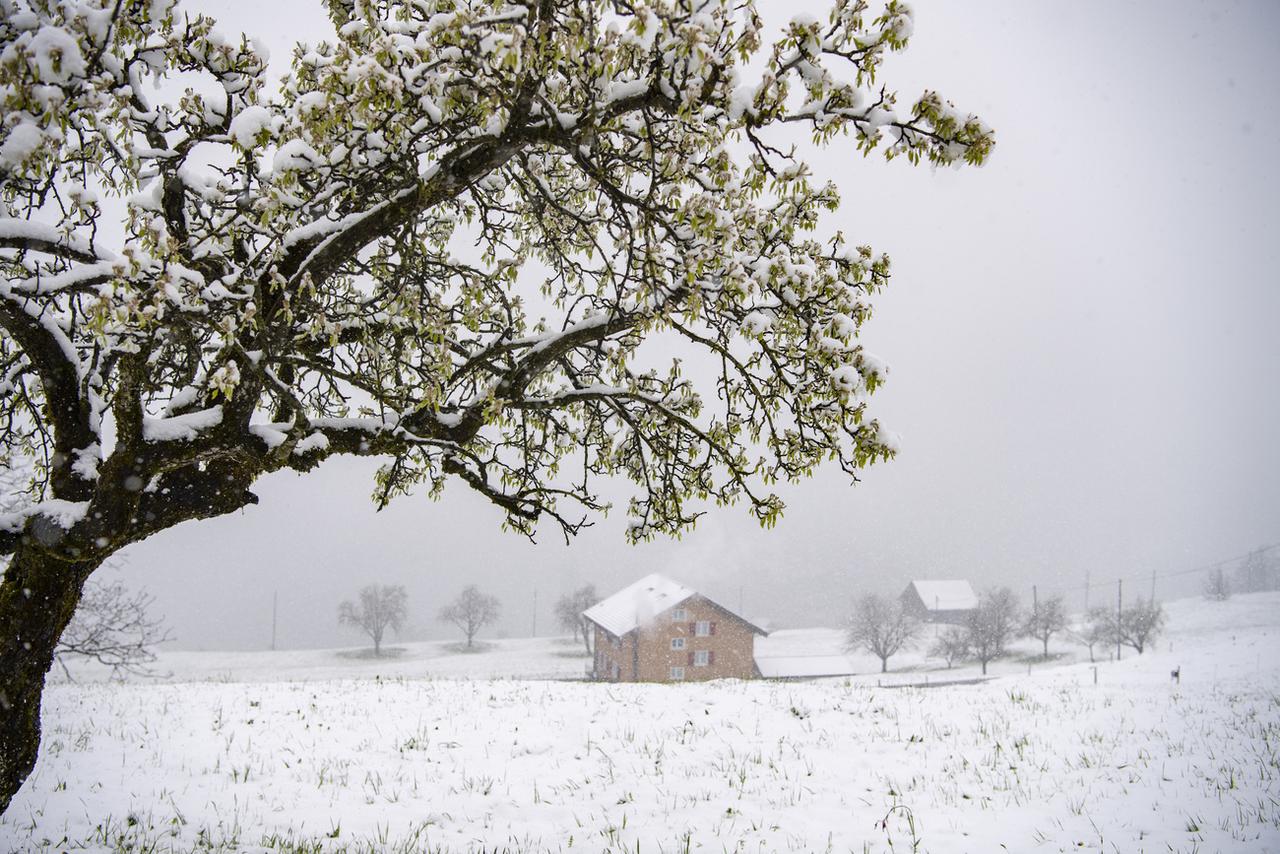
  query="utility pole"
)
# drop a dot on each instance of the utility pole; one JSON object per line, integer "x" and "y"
{"x": 1119, "y": 613}
{"x": 534, "y": 633}
{"x": 1035, "y": 603}
{"x": 275, "y": 595}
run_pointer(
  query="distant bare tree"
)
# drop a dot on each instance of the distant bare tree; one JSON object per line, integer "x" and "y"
{"x": 1097, "y": 628}
{"x": 881, "y": 627}
{"x": 569, "y": 610}
{"x": 471, "y": 611}
{"x": 1217, "y": 587}
{"x": 951, "y": 646}
{"x": 1139, "y": 624}
{"x": 381, "y": 607}
{"x": 1260, "y": 570}
{"x": 1047, "y": 618}
{"x": 113, "y": 626}
{"x": 992, "y": 625}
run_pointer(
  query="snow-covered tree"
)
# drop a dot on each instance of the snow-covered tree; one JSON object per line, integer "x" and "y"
{"x": 471, "y": 611}
{"x": 951, "y": 645}
{"x": 990, "y": 626}
{"x": 882, "y": 627}
{"x": 444, "y": 240}
{"x": 1217, "y": 587}
{"x": 569, "y": 608}
{"x": 1046, "y": 619}
{"x": 379, "y": 607}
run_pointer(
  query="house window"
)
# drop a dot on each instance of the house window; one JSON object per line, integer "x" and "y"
{"x": 701, "y": 658}
{"x": 679, "y": 615}
{"x": 677, "y": 643}
{"x": 677, "y": 673}
{"x": 702, "y": 628}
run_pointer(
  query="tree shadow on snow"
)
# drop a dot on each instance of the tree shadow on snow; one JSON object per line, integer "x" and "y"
{"x": 476, "y": 646}
{"x": 368, "y": 654}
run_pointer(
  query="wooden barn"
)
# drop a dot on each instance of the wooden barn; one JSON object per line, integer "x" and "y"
{"x": 657, "y": 630}
{"x": 940, "y": 601}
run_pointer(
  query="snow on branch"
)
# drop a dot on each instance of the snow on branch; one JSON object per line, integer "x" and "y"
{"x": 347, "y": 263}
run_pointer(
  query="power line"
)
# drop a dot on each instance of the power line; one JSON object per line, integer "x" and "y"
{"x": 1203, "y": 568}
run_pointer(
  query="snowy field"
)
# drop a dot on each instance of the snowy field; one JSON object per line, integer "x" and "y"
{"x": 436, "y": 751}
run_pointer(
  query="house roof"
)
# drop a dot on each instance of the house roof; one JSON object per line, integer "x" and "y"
{"x": 636, "y": 604}
{"x": 955, "y": 595}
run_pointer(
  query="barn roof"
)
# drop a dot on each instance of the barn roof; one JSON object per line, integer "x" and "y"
{"x": 804, "y": 666}
{"x": 954, "y": 595}
{"x": 638, "y": 603}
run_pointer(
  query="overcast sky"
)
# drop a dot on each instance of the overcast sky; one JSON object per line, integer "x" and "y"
{"x": 1083, "y": 339}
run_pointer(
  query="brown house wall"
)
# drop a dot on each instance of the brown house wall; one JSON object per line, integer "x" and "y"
{"x": 611, "y": 650}
{"x": 645, "y": 655}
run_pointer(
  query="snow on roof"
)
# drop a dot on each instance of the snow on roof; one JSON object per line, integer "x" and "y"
{"x": 946, "y": 595}
{"x": 805, "y": 666}
{"x": 637, "y": 604}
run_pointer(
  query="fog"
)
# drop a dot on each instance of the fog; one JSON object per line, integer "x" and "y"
{"x": 1082, "y": 340}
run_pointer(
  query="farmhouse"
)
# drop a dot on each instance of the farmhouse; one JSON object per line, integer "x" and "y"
{"x": 940, "y": 601}
{"x": 657, "y": 630}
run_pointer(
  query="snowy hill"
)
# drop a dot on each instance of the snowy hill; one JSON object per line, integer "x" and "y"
{"x": 274, "y": 752}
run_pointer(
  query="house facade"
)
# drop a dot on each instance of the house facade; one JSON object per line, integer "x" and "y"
{"x": 948, "y": 601}
{"x": 657, "y": 630}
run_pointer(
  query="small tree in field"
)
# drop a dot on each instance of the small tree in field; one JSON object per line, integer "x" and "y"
{"x": 1135, "y": 626}
{"x": 1217, "y": 587}
{"x": 991, "y": 625}
{"x": 213, "y": 271}
{"x": 115, "y": 627}
{"x": 1140, "y": 624}
{"x": 951, "y": 646}
{"x": 569, "y": 610}
{"x": 881, "y": 627}
{"x": 1047, "y": 618}
{"x": 380, "y": 607}
{"x": 1097, "y": 628}
{"x": 471, "y": 611}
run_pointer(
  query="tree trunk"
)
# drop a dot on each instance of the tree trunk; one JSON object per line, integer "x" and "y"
{"x": 1046, "y": 646}
{"x": 984, "y": 668}
{"x": 38, "y": 597}
{"x": 884, "y": 665}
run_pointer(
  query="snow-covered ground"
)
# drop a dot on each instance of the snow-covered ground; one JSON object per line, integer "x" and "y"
{"x": 522, "y": 658}
{"x": 313, "y": 751}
